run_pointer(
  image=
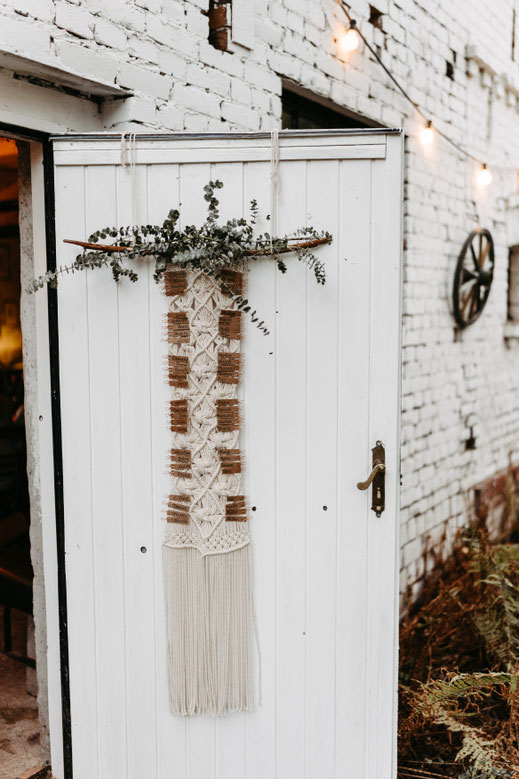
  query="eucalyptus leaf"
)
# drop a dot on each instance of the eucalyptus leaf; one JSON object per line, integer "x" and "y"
{"x": 210, "y": 248}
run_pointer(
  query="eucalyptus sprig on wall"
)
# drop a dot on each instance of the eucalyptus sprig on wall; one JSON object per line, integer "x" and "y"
{"x": 211, "y": 248}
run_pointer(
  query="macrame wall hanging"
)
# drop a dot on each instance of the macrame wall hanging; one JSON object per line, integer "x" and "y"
{"x": 206, "y": 551}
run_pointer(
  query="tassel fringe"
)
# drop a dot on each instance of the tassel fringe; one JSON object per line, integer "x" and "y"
{"x": 210, "y": 631}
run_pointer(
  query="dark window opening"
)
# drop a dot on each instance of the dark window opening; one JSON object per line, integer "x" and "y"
{"x": 19, "y": 747}
{"x": 375, "y": 17}
{"x": 301, "y": 113}
{"x": 449, "y": 70}
{"x": 513, "y": 284}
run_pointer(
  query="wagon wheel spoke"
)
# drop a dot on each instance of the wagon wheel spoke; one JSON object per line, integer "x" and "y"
{"x": 483, "y": 255}
{"x": 465, "y": 299}
{"x": 467, "y": 305}
{"x": 474, "y": 258}
{"x": 474, "y": 307}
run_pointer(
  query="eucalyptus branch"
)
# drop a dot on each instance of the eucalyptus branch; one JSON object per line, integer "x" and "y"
{"x": 210, "y": 248}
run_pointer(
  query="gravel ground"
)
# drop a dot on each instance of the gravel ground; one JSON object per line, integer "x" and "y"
{"x": 19, "y": 724}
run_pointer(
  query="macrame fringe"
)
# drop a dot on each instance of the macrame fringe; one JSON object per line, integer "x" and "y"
{"x": 210, "y": 624}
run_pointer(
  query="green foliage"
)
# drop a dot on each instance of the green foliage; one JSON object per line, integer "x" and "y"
{"x": 211, "y": 248}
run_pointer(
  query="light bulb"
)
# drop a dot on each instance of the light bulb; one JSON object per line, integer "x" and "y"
{"x": 351, "y": 39}
{"x": 427, "y": 134}
{"x": 484, "y": 176}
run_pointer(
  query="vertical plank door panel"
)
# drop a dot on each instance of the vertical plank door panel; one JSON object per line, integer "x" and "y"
{"x": 353, "y": 463}
{"x": 77, "y": 492}
{"x": 108, "y": 561}
{"x": 384, "y": 392}
{"x": 321, "y": 482}
{"x": 291, "y": 366}
{"x": 135, "y": 369}
{"x": 260, "y": 474}
{"x": 163, "y": 195}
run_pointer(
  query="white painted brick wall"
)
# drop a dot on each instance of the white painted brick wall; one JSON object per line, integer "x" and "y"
{"x": 110, "y": 35}
{"x": 159, "y": 49}
{"x": 75, "y": 19}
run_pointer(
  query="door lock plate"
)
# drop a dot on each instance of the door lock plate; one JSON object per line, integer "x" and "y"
{"x": 378, "y": 496}
{"x": 377, "y": 478}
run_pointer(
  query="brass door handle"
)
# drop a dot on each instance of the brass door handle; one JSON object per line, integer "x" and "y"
{"x": 363, "y": 485}
{"x": 377, "y": 477}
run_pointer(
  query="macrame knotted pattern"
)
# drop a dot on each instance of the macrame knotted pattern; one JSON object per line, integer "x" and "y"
{"x": 204, "y": 303}
{"x": 206, "y": 543}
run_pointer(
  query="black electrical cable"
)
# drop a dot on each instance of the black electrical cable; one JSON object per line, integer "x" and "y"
{"x": 400, "y": 88}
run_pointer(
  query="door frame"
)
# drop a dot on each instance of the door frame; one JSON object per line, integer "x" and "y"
{"x": 47, "y": 375}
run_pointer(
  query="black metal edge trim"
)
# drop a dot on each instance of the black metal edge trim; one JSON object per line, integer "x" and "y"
{"x": 50, "y": 239}
{"x": 158, "y": 136}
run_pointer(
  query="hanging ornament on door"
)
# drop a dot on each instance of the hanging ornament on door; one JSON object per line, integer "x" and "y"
{"x": 206, "y": 552}
{"x": 206, "y": 547}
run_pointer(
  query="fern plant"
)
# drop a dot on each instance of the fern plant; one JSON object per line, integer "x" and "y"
{"x": 453, "y": 703}
{"x": 459, "y": 681}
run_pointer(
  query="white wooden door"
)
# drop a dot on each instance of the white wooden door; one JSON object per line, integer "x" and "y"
{"x": 318, "y": 392}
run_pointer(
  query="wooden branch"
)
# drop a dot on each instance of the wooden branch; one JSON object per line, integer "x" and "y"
{"x": 302, "y": 245}
{"x": 102, "y": 247}
{"x": 97, "y": 246}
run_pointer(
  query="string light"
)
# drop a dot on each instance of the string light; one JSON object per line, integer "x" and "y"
{"x": 427, "y": 134}
{"x": 350, "y": 41}
{"x": 484, "y": 176}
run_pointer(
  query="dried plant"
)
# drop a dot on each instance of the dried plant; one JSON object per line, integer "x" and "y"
{"x": 212, "y": 248}
{"x": 459, "y": 670}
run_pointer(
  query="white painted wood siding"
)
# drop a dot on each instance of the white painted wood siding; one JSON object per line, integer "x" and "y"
{"x": 318, "y": 392}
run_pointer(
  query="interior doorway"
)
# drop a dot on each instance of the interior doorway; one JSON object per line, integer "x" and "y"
{"x": 20, "y": 736}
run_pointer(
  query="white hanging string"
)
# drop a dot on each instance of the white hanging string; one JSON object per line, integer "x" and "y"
{"x": 274, "y": 182}
{"x": 124, "y": 150}
{"x": 128, "y": 160}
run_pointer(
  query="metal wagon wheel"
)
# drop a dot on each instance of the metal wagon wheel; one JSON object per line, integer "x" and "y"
{"x": 473, "y": 277}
